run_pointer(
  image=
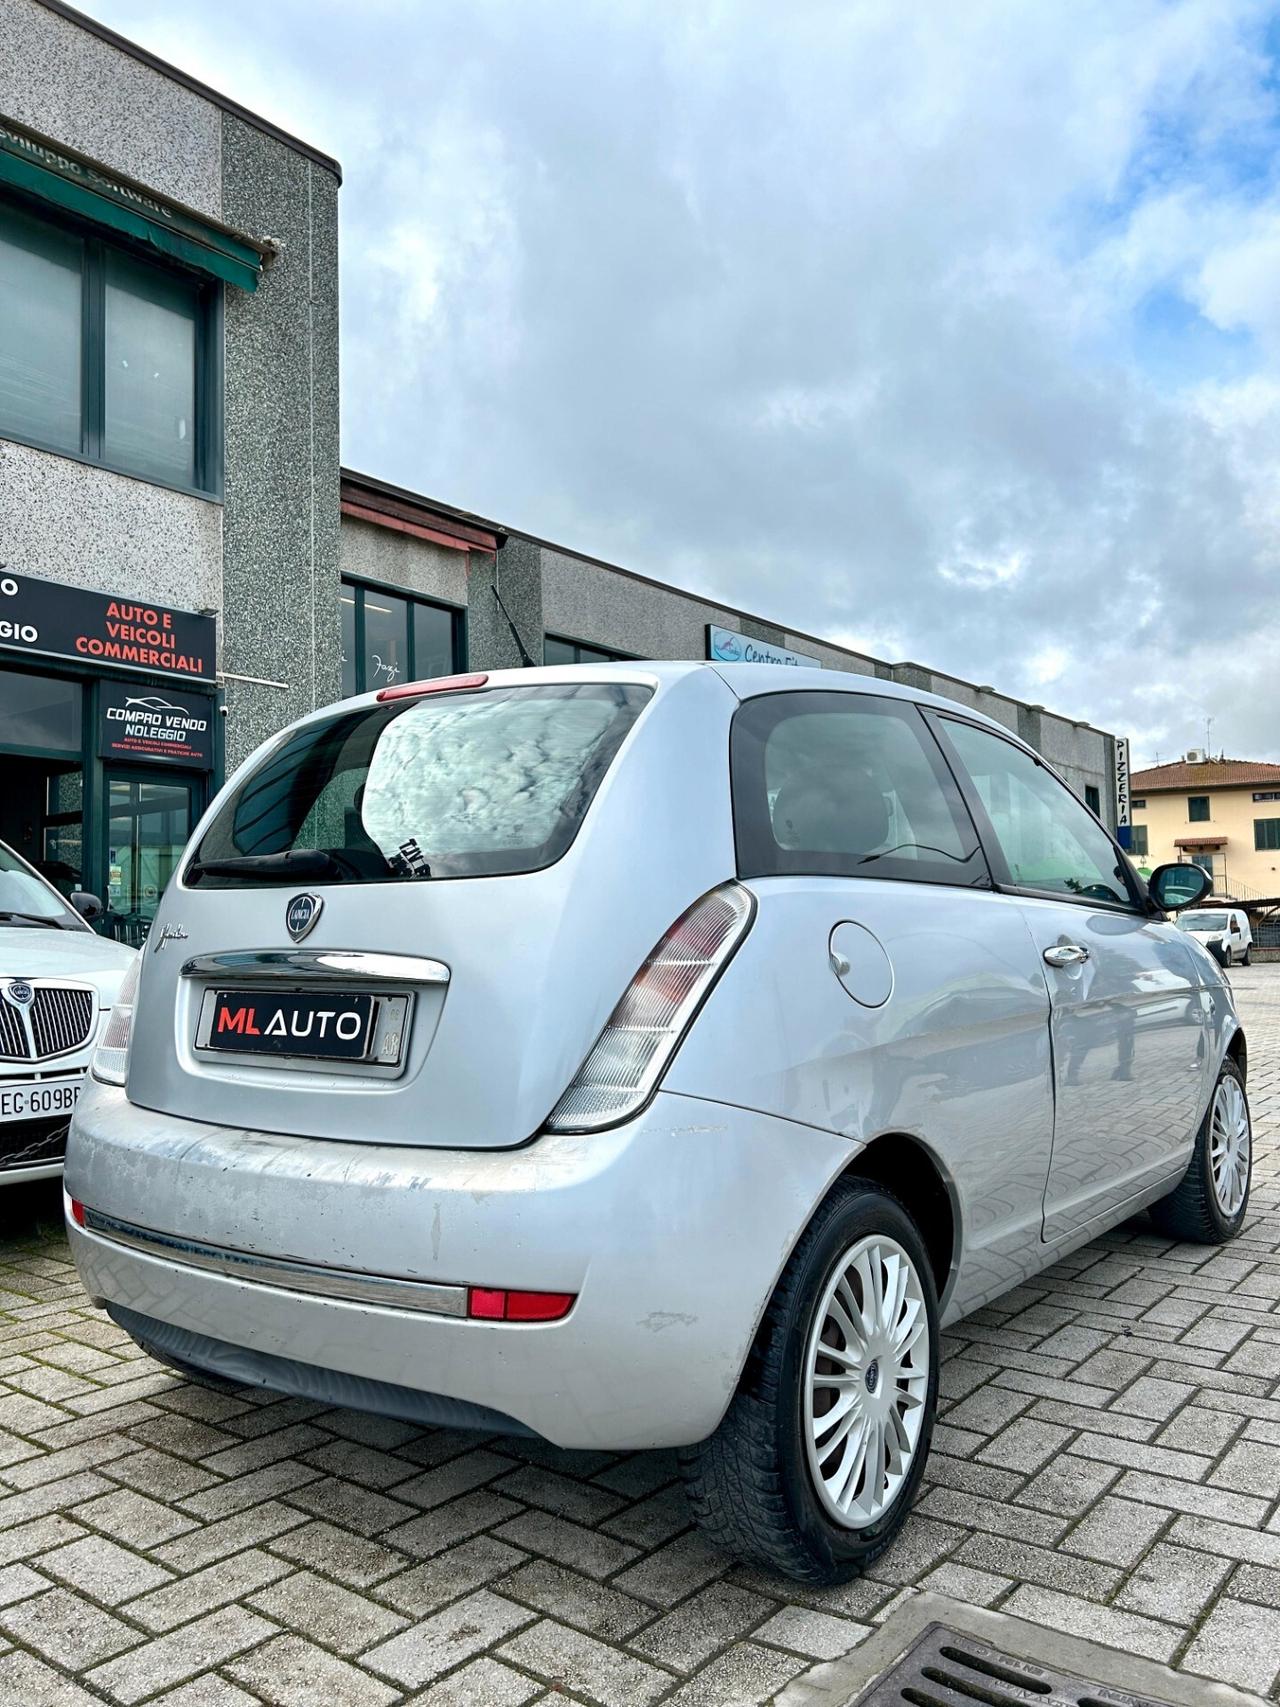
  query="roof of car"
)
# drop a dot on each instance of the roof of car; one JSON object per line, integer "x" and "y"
{"x": 746, "y": 681}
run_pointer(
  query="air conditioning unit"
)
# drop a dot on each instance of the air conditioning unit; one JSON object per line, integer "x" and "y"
{"x": 1196, "y": 755}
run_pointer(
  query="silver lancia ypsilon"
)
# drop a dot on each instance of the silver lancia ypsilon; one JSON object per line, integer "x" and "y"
{"x": 648, "y": 1055}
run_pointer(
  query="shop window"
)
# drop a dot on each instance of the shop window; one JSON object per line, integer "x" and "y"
{"x": 106, "y": 356}
{"x": 393, "y": 637}
{"x": 40, "y": 713}
{"x": 1198, "y": 808}
{"x": 1138, "y": 840}
{"x": 558, "y": 651}
{"x": 1266, "y": 834}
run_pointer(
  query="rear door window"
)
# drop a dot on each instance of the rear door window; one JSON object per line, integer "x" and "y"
{"x": 847, "y": 785}
{"x": 463, "y": 784}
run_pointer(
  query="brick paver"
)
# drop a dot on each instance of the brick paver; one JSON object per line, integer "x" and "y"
{"x": 1107, "y": 1462}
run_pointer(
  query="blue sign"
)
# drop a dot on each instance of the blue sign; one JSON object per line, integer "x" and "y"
{"x": 727, "y": 646}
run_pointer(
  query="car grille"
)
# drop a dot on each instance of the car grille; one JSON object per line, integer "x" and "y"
{"x": 28, "y": 1143}
{"x": 59, "y": 1019}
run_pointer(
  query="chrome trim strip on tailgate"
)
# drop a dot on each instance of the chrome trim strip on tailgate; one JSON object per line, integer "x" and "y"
{"x": 336, "y": 964}
{"x": 344, "y": 1285}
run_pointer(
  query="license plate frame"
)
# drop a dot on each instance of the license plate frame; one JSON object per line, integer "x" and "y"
{"x": 38, "y": 1099}
{"x": 264, "y": 1025}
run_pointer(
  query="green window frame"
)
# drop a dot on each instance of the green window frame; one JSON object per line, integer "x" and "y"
{"x": 122, "y": 294}
{"x": 1197, "y": 808}
{"x": 559, "y": 649}
{"x": 371, "y": 613}
{"x": 1266, "y": 834}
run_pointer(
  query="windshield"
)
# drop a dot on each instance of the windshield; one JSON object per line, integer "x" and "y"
{"x": 24, "y": 897}
{"x": 452, "y": 785}
{"x": 1211, "y": 922}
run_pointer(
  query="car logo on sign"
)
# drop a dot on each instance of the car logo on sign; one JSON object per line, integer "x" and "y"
{"x": 19, "y": 993}
{"x": 301, "y": 914}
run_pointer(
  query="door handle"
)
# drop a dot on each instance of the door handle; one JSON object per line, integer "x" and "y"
{"x": 1066, "y": 954}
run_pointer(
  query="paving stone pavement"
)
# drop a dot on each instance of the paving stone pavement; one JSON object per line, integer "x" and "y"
{"x": 1107, "y": 1463}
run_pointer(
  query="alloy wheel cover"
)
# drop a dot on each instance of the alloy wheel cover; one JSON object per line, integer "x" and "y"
{"x": 866, "y": 1377}
{"x": 1230, "y": 1146}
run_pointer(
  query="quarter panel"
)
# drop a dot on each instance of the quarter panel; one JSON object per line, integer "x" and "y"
{"x": 957, "y": 1056}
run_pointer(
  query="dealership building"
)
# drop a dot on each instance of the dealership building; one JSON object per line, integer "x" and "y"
{"x": 184, "y": 563}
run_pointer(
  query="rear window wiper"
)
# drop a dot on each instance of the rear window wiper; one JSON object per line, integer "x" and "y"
{"x": 293, "y": 862}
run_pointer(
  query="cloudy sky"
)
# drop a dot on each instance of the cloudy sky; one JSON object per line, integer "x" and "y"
{"x": 952, "y": 332}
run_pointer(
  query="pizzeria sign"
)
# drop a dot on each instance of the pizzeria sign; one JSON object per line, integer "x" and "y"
{"x": 49, "y": 620}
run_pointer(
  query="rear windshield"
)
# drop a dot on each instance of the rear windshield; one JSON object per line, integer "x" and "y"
{"x": 457, "y": 785}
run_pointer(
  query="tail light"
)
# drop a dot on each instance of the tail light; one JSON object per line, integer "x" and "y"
{"x": 111, "y": 1058}
{"x": 644, "y": 1031}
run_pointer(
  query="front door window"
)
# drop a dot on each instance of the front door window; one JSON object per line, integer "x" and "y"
{"x": 1052, "y": 844}
{"x": 148, "y": 824}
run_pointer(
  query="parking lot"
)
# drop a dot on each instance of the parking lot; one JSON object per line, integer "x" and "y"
{"x": 1107, "y": 1464}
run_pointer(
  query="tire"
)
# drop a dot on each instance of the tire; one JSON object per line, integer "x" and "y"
{"x": 1246, "y": 958}
{"x": 752, "y": 1487}
{"x": 1228, "y": 959}
{"x": 1201, "y": 1208}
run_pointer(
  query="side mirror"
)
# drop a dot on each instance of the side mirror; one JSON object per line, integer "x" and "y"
{"x": 88, "y": 906}
{"x": 1173, "y": 887}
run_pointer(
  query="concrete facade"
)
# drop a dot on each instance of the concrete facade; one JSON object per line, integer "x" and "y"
{"x": 255, "y": 541}
{"x": 264, "y": 553}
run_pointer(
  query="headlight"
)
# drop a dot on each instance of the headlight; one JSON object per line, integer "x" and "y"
{"x": 644, "y": 1031}
{"x": 111, "y": 1058}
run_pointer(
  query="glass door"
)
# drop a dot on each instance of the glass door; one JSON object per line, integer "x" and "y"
{"x": 148, "y": 822}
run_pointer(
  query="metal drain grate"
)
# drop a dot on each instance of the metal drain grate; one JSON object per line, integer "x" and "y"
{"x": 942, "y": 1668}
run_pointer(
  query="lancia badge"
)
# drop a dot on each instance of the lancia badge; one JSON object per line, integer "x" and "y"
{"x": 19, "y": 993}
{"x": 301, "y": 914}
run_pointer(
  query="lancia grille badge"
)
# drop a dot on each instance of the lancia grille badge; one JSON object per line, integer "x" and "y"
{"x": 19, "y": 993}
{"x": 301, "y": 914}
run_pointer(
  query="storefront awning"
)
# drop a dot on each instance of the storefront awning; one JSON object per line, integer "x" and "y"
{"x": 1199, "y": 841}
{"x": 27, "y": 163}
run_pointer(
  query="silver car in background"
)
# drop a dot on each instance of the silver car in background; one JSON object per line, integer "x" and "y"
{"x": 648, "y": 1055}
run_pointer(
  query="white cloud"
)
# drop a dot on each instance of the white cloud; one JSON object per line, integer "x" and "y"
{"x": 947, "y": 326}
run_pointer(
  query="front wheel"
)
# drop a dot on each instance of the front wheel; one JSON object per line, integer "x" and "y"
{"x": 814, "y": 1467}
{"x": 1208, "y": 1204}
{"x": 1228, "y": 959}
{"x": 1247, "y": 957}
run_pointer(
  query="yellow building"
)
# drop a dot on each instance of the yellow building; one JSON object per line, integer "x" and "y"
{"x": 1223, "y": 814}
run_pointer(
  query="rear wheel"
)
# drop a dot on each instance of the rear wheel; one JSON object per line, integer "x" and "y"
{"x": 1208, "y": 1205}
{"x": 814, "y": 1467}
{"x": 1247, "y": 956}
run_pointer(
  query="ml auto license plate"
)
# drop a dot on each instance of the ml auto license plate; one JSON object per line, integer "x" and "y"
{"x": 323, "y": 1027}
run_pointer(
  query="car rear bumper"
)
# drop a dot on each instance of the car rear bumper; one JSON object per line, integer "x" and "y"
{"x": 670, "y": 1231}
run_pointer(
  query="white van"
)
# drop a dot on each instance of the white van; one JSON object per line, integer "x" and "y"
{"x": 1224, "y": 931}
